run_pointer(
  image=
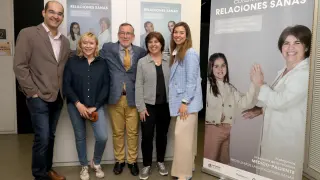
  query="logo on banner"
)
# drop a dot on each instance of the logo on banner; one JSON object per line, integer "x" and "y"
{"x": 240, "y": 174}
{"x": 214, "y": 167}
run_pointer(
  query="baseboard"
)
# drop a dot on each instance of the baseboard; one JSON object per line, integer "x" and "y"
{"x": 8, "y": 132}
{"x": 77, "y": 163}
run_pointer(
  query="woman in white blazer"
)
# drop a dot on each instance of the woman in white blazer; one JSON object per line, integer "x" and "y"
{"x": 223, "y": 100}
{"x": 284, "y": 106}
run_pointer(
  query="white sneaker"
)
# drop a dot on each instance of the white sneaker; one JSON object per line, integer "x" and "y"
{"x": 84, "y": 174}
{"x": 97, "y": 168}
{"x": 145, "y": 173}
{"x": 162, "y": 169}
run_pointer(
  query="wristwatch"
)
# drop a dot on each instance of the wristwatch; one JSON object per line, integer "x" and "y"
{"x": 184, "y": 102}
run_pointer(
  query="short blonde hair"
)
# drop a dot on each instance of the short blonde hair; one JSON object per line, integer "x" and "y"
{"x": 87, "y": 35}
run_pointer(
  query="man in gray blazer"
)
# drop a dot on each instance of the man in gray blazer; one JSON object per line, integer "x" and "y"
{"x": 40, "y": 56}
{"x": 122, "y": 58}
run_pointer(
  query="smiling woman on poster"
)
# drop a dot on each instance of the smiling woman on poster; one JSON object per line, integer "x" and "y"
{"x": 74, "y": 35}
{"x": 104, "y": 34}
{"x": 284, "y": 108}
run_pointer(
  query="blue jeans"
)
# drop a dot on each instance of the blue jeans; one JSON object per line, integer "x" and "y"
{"x": 100, "y": 133}
{"x": 44, "y": 118}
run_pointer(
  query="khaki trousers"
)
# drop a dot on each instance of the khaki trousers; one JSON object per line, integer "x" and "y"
{"x": 185, "y": 146}
{"x": 124, "y": 117}
{"x": 216, "y": 142}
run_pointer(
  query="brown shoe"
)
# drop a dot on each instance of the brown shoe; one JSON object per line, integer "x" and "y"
{"x": 55, "y": 176}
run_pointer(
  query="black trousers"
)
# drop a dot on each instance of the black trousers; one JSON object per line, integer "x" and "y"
{"x": 159, "y": 119}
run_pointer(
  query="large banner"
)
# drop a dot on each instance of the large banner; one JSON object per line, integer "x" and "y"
{"x": 239, "y": 144}
{"x": 159, "y": 17}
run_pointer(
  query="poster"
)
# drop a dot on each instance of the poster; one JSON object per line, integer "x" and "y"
{"x": 89, "y": 16}
{"x": 247, "y": 33}
{"x": 5, "y": 48}
{"x": 160, "y": 17}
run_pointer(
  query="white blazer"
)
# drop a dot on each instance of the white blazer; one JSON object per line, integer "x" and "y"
{"x": 228, "y": 102}
{"x": 283, "y": 131}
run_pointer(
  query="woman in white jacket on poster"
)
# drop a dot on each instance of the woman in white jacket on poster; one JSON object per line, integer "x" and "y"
{"x": 284, "y": 106}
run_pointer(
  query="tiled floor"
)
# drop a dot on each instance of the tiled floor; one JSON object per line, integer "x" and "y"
{"x": 15, "y": 155}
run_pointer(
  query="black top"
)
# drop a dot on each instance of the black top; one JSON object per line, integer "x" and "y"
{"x": 161, "y": 96}
{"x": 84, "y": 82}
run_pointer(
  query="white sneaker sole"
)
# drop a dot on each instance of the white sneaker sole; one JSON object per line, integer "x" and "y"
{"x": 143, "y": 178}
{"x": 85, "y": 178}
{"x": 163, "y": 174}
{"x": 100, "y": 177}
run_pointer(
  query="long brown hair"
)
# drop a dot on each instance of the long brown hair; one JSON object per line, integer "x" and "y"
{"x": 211, "y": 78}
{"x": 184, "y": 47}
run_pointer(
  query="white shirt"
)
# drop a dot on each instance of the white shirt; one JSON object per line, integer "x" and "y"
{"x": 74, "y": 43}
{"x": 167, "y": 44}
{"x": 222, "y": 87}
{"x": 104, "y": 37}
{"x": 55, "y": 42}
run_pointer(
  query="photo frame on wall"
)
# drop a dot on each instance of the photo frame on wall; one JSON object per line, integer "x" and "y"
{"x": 3, "y": 34}
{"x": 89, "y": 16}
{"x": 160, "y": 17}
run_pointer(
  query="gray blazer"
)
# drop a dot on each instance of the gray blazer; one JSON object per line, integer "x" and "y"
{"x": 35, "y": 66}
{"x": 146, "y": 81}
{"x": 118, "y": 74}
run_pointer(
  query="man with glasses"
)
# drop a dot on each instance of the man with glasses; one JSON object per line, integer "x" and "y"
{"x": 148, "y": 26}
{"x": 41, "y": 53}
{"x": 122, "y": 58}
{"x": 167, "y": 48}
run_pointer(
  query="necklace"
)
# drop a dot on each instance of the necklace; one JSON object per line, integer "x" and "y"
{"x": 157, "y": 63}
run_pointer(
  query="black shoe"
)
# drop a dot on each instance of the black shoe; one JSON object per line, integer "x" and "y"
{"x": 118, "y": 168}
{"x": 134, "y": 169}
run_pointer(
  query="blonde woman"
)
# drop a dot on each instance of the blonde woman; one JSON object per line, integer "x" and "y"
{"x": 85, "y": 85}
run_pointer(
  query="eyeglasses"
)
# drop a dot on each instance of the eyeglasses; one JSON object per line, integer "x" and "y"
{"x": 125, "y": 33}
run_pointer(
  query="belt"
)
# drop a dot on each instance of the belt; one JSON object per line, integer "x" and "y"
{"x": 217, "y": 124}
{"x": 124, "y": 93}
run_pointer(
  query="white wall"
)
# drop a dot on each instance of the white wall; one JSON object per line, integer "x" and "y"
{"x": 65, "y": 150}
{"x": 8, "y": 120}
